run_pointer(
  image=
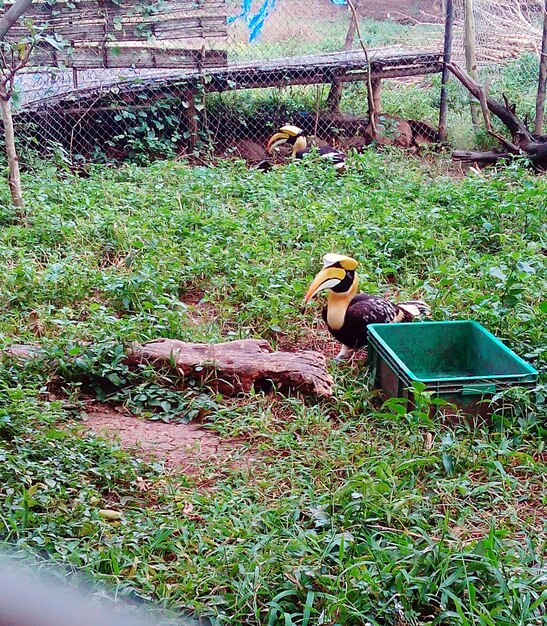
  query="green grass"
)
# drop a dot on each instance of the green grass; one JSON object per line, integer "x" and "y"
{"x": 329, "y": 34}
{"x": 354, "y": 512}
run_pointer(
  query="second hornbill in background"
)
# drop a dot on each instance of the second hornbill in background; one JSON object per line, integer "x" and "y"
{"x": 348, "y": 313}
{"x": 295, "y": 137}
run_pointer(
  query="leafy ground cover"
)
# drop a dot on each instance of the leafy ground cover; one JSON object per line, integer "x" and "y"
{"x": 353, "y": 511}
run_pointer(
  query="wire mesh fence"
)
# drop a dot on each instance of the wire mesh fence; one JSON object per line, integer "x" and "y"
{"x": 277, "y": 61}
{"x": 507, "y": 36}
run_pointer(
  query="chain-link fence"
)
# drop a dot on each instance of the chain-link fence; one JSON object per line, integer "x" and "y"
{"x": 505, "y": 40}
{"x": 277, "y": 61}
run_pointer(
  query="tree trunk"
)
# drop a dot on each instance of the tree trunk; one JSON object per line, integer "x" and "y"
{"x": 447, "y": 56}
{"x": 13, "y": 161}
{"x": 11, "y": 16}
{"x": 542, "y": 82}
{"x": 335, "y": 93}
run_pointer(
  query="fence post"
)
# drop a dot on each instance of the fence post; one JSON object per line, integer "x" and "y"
{"x": 542, "y": 82}
{"x": 191, "y": 118}
{"x": 335, "y": 93}
{"x": 471, "y": 54}
{"x": 448, "y": 33}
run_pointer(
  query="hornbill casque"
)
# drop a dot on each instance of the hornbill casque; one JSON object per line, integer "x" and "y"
{"x": 295, "y": 137}
{"x": 348, "y": 313}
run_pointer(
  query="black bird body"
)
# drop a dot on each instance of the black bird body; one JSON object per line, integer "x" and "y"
{"x": 365, "y": 309}
{"x": 295, "y": 137}
{"x": 348, "y": 313}
{"x": 334, "y": 156}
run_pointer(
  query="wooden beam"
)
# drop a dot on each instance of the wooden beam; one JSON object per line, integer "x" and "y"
{"x": 237, "y": 366}
{"x": 377, "y": 95}
{"x": 82, "y": 29}
{"x": 179, "y": 88}
{"x": 42, "y": 10}
{"x": 315, "y": 78}
{"x": 138, "y": 56}
{"x": 307, "y": 70}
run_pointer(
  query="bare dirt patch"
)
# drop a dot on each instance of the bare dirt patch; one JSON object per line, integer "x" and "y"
{"x": 318, "y": 340}
{"x": 200, "y": 311}
{"x": 294, "y": 18}
{"x": 184, "y": 447}
{"x": 403, "y": 10}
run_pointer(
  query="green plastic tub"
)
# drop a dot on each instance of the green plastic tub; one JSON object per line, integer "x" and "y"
{"x": 461, "y": 362}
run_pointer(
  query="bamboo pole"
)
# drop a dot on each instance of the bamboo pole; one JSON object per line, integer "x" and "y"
{"x": 471, "y": 54}
{"x": 447, "y": 53}
{"x": 542, "y": 82}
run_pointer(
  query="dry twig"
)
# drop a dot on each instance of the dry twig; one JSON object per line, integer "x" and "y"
{"x": 370, "y": 93}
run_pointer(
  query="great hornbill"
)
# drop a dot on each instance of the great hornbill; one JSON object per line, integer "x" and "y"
{"x": 295, "y": 137}
{"x": 348, "y": 313}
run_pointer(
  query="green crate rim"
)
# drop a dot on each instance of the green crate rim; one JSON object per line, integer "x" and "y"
{"x": 397, "y": 364}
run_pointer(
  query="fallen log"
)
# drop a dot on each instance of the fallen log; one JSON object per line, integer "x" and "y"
{"x": 537, "y": 155}
{"x": 232, "y": 367}
{"x": 237, "y": 366}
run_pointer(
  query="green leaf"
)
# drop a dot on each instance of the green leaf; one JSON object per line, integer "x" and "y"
{"x": 524, "y": 266}
{"x": 55, "y": 433}
{"x": 448, "y": 463}
{"x": 497, "y": 272}
{"x": 115, "y": 379}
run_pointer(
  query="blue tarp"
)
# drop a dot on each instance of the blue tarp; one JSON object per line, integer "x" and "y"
{"x": 255, "y": 22}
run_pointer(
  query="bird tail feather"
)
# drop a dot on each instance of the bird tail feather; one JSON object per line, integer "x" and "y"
{"x": 416, "y": 308}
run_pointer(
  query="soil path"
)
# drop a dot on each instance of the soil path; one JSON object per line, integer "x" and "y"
{"x": 185, "y": 447}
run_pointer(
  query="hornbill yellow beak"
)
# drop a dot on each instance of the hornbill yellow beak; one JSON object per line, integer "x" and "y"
{"x": 276, "y": 140}
{"x": 332, "y": 274}
{"x": 284, "y": 134}
{"x": 326, "y": 279}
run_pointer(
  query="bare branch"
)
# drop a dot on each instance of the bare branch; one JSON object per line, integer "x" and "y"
{"x": 484, "y": 107}
{"x": 511, "y": 147}
{"x": 506, "y": 114}
{"x": 370, "y": 92}
{"x": 523, "y": 144}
